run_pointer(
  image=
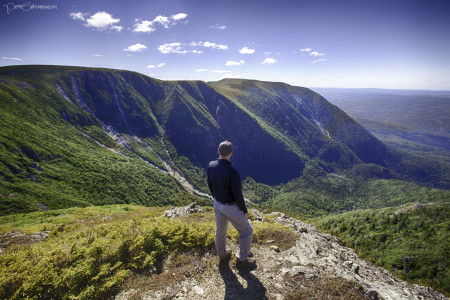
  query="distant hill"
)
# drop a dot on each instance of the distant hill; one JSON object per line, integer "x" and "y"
{"x": 426, "y": 112}
{"x": 416, "y": 123}
{"x": 75, "y": 136}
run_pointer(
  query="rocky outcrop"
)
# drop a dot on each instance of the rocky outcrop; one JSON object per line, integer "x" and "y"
{"x": 305, "y": 269}
{"x": 325, "y": 253}
{"x": 17, "y": 238}
{"x": 176, "y": 212}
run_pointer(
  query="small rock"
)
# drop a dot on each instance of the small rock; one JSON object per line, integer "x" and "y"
{"x": 275, "y": 248}
{"x": 278, "y": 296}
{"x": 299, "y": 270}
{"x": 269, "y": 241}
{"x": 278, "y": 285}
{"x": 14, "y": 233}
{"x": 39, "y": 236}
{"x": 277, "y": 214}
{"x": 372, "y": 295}
{"x": 258, "y": 215}
{"x": 198, "y": 290}
{"x": 303, "y": 230}
{"x": 42, "y": 206}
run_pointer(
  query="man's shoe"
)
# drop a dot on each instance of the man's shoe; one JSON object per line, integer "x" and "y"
{"x": 249, "y": 263}
{"x": 227, "y": 256}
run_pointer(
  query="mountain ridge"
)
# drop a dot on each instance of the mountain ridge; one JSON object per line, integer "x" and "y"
{"x": 92, "y": 93}
{"x": 75, "y": 114}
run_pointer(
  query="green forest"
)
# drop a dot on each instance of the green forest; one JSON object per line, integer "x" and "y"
{"x": 412, "y": 241}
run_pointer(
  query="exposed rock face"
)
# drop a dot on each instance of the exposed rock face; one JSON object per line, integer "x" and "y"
{"x": 326, "y": 253}
{"x": 315, "y": 258}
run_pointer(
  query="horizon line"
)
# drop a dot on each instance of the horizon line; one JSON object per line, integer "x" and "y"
{"x": 231, "y": 78}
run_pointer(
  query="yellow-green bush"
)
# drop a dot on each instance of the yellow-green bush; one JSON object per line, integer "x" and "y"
{"x": 92, "y": 262}
{"x": 91, "y": 251}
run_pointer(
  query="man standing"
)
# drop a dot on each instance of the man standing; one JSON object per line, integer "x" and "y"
{"x": 224, "y": 183}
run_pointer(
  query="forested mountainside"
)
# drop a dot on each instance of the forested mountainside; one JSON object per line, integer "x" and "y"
{"x": 73, "y": 135}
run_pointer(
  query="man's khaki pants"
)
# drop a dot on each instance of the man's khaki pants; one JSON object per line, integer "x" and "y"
{"x": 236, "y": 216}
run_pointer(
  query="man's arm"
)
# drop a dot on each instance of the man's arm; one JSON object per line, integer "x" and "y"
{"x": 210, "y": 183}
{"x": 236, "y": 189}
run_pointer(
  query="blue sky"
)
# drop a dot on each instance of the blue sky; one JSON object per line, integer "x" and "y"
{"x": 395, "y": 44}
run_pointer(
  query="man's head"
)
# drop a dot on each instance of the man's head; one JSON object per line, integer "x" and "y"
{"x": 225, "y": 149}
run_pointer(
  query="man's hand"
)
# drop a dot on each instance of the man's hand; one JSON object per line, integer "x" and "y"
{"x": 247, "y": 215}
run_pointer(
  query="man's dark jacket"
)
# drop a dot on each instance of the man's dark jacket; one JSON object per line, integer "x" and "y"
{"x": 224, "y": 183}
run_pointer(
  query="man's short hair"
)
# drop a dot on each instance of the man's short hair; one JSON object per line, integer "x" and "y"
{"x": 225, "y": 148}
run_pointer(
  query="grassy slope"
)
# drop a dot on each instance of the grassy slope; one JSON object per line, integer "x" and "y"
{"x": 45, "y": 159}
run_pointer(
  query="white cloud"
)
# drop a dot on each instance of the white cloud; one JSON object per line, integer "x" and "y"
{"x": 97, "y": 55}
{"x": 179, "y": 16}
{"x": 135, "y": 48}
{"x": 315, "y": 54}
{"x": 269, "y": 61}
{"x": 201, "y": 70}
{"x": 166, "y": 22}
{"x": 217, "y": 26}
{"x": 210, "y": 45}
{"x": 171, "y": 48}
{"x": 246, "y": 50}
{"x": 305, "y": 50}
{"x": 12, "y": 58}
{"x": 319, "y": 60}
{"x": 180, "y": 48}
{"x": 102, "y": 20}
{"x": 163, "y": 20}
{"x": 234, "y": 63}
{"x": 117, "y": 28}
{"x": 78, "y": 16}
{"x": 267, "y": 53}
{"x": 158, "y": 66}
{"x": 144, "y": 26}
